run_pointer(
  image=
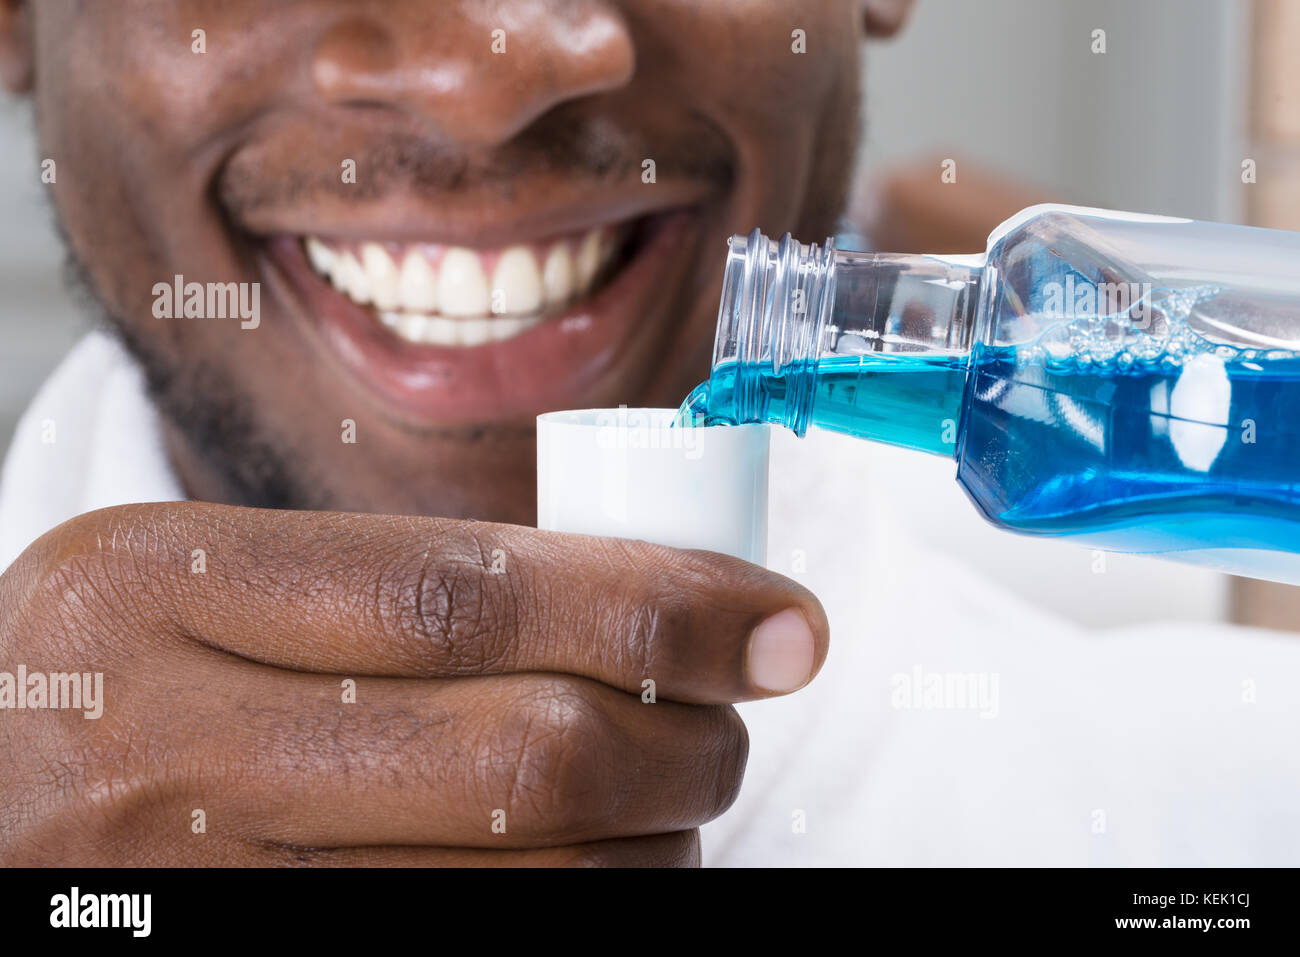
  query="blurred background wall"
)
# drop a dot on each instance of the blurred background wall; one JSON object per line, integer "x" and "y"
{"x": 1010, "y": 89}
{"x": 38, "y": 320}
{"x": 1157, "y": 123}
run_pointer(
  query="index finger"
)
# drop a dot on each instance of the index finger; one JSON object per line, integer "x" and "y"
{"x": 361, "y": 594}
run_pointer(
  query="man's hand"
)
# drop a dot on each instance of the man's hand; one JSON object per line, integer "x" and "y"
{"x": 355, "y": 689}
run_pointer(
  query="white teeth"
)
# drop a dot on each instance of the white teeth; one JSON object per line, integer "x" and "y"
{"x": 441, "y": 331}
{"x": 452, "y": 304}
{"x": 462, "y": 287}
{"x": 381, "y": 274}
{"x": 411, "y": 326}
{"x": 458, "y": 287}
{"x": 506, "y": 328}
{"x": 474, "y": 332}
{"x": 588, "y": 259}
{"x": 557, "y": 275}
{"x": 516, "y": 286}
{"x": 418, "y": 285}
{"x": 351, "y": 278}
{"x": 321, "y": 256}
{"x": 336, "y": 274}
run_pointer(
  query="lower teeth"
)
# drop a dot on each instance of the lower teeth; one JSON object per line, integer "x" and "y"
{"x": 442, "y": 331}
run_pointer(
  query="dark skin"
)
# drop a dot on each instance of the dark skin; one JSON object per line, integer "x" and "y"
{"x": 476, "y": 691}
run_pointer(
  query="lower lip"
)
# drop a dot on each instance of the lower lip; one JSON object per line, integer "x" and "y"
{"x": 554, "y": 365}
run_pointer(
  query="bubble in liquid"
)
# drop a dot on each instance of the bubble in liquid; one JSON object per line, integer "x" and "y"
{"x": 1159, "y": 338}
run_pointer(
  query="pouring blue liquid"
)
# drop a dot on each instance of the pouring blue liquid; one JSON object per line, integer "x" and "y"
{"x": 1143, "y": 429}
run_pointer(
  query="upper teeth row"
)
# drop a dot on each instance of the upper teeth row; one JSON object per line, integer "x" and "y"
{"x": 453, "y": 280}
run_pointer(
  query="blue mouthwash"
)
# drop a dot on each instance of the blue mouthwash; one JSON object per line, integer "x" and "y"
{"x": 1129, "y": 382}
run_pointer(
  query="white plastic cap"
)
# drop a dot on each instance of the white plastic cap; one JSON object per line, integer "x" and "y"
{"x": 625, "y": 473}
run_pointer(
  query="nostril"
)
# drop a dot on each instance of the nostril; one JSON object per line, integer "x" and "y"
{"x": 355, "y": 59}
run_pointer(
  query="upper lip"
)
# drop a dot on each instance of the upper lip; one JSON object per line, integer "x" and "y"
{"x": 407, "y": 217}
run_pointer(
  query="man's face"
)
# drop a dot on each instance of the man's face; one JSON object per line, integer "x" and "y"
{"x": 460, "y": 215}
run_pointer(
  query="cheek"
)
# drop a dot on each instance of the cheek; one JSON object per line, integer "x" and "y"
{"x": 774, "y": 76}
{"x": 739, "y": 63}
{"x": 132, "y": 118}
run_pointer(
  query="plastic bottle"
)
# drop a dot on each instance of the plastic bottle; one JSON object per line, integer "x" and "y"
{"x": 1128, "y": 381}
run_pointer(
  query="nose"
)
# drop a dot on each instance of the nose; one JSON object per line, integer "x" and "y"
{"x": 480, "y": 73}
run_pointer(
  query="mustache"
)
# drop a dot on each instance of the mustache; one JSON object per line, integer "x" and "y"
{"x": 558, "y": 144}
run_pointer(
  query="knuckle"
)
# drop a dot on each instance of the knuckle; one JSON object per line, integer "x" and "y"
{"x": 119, "y": 531}
{"x": 659, "y": 613}
{"x": 545, "y": 762}
{"x": 449, "y": 616}
{"x": 93, "y": 803}
{"x": 650, "y": 631}
{"x": 76, "y": 580}
{"x": 651, "y": 615}
{"x": 110, "y": 800}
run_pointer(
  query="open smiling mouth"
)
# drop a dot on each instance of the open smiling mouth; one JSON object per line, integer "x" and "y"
{"x": 457, "y": 297}
{"x": 455, "y": 332}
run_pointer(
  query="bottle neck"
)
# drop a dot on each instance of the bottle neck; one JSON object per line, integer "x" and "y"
{"x": 792, "y": 310}
{"x": 777, "y": 298}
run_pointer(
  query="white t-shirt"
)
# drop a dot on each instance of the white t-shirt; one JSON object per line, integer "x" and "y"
{"x": 955, "y": 722}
